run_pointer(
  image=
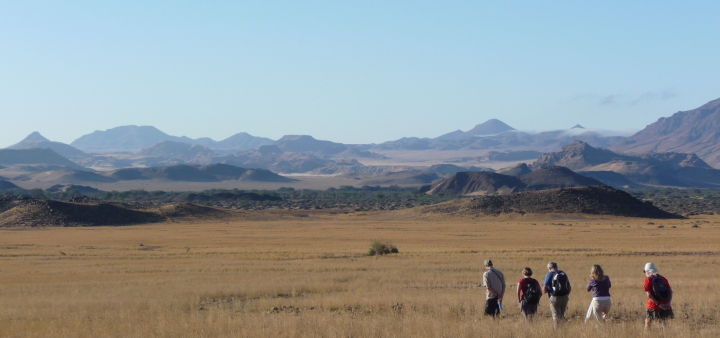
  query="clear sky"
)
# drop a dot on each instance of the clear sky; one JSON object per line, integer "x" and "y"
{"x": 350, "y": 71}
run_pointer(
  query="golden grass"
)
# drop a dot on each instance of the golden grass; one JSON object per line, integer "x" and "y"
{"x": 275, "y": 274}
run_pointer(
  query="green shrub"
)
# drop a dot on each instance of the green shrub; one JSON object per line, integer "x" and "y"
{"x": 377, "y": 247}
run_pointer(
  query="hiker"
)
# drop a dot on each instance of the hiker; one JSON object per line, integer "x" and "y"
{"x": 557, "y": 287}
{"x": 494, "y": 281}
{"x": 529, "y": 294}
{"x": 600, "y": 286}
{"x": 659, "y": 296}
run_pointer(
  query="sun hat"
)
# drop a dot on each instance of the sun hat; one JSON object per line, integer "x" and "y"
{"x": 650, "y": 268}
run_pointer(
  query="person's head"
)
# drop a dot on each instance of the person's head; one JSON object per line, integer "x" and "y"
{"x": 597, "y": 273}
{"x": 650, "y": 269}
{"x": 552, "y": 266}
{"x": 527, "y": 272}
{"x": 488, "y": 263}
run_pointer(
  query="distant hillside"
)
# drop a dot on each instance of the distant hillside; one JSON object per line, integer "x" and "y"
{"x": 133, "y": 138}
{"x": 663, "y": 169}
{"x": 694, "y": 131}
{"x": 36, "y": 156}
{"x": 597, "y": 200}
{"x": 35, "y": 140}
{"x": 240, "y": 142}
{"x": 43, "y": 213}
{"x": 472, "y": 183}
{"x": 65, "y": 176}
{"x": 5, "y": 185}
{"x": 124, "y": 139}
{"x": 169, "y": 152}
{"x": 196, "y": 173}
{"x": 307, "y": 143}
{"x": 511, "y": 145}
{"x": 466, "y": 183}
{"x": 489, "y": 127}
{"x": 517, "y": 170}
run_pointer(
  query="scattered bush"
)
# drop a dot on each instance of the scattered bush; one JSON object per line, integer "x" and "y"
{"x": 377, "y": 247}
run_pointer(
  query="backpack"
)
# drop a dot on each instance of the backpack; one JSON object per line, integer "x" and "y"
{"x": 532, "y": 294}
{"x": 560, "y": 284}
{"x": 660, "y": 288}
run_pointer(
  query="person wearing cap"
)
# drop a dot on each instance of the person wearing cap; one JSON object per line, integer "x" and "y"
{"x": 494, "y": 281}
{"x": 558, "y": 303}
{"x": 656, "y": 309}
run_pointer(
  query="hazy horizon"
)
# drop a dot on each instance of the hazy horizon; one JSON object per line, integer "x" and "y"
{"x": 353, "y": 73}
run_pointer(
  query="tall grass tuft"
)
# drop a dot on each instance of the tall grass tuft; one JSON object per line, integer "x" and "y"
{"x": 378, "y": 248}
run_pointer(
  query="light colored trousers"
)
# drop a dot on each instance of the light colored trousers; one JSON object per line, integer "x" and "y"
{"x": 598, "y": 307}
{"x": 558, "y": 306}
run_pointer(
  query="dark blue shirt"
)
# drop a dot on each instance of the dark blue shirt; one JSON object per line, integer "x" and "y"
{"x": 548, "y": 282}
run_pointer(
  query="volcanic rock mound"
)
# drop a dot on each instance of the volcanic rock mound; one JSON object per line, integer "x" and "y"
{"x": 190, "y": 210}
{"x": 35, "y": 213}
{"x": 597, "y": 200}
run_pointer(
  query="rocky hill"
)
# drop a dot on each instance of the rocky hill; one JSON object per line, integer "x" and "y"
{"x": 169, "y": 152}
{"x": 483, "y": 183}
{"x": 473, "y": 183}
{"x": 133, "y": 138}
{"x": 517, "y": 170}
{"x": 694, "y": 131}
{"x": 5, "y": 185}
{"x": 35, "y": 140}
{"x": 240, "y": 142}
{"x": 307, "y": 143}
{"x": 596, "y": 200}
{"x": 42, "y": 213}
{"x": 507, "y": 146}
{"x": 665, "y": 169}
{"x": 196, "y": 173}
{"x": 36, "y": 157}
{"x": 489, "y": 127}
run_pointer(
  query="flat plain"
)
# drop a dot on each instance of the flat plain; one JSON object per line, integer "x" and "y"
{"x": 307, "y": 273}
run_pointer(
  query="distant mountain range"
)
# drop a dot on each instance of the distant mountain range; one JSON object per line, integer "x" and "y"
{"x": 694, "y": 131}
{"x": 656, "y": 169}
{"x": 133, "y": 138}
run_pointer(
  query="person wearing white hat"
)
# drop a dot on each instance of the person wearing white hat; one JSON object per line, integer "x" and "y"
{"x": 659, "y": 293}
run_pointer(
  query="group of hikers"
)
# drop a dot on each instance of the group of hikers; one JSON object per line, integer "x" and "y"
{"x": 557, "y": 286}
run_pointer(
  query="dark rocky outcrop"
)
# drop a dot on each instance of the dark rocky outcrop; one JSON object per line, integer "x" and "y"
{"x": 467, "y": 183}
{"x": 41, "y": 213}
{"x": 597, "y": 200}
{"x": 517, "y": 170}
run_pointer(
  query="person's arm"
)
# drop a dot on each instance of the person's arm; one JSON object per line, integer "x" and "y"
{"x": 486, "y": 281}
{"x": 590, "y": 285}
{"x": 545, "y": 288}
{"x": 502, "y": 293}
{"x": 519, "y": 288}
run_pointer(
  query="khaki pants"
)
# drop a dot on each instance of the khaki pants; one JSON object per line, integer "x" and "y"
{"x": 558, "y": 307}
{"x": 599, "y": 307}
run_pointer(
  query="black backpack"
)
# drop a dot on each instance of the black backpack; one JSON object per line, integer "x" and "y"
{"x": 560, "y": 284}
{"x": 532, "y": 294}
{"x": 660, "y": 288}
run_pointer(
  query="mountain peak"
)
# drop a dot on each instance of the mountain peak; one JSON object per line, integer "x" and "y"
{"x": 35, "y": 137}
{"x": 490, "y": 127}
{"x": 578, "y": 126}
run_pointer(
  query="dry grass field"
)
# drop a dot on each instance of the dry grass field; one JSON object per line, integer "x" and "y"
{"x": 292, "y": 274}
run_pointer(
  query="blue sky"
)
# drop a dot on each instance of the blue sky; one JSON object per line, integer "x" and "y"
{"x": 350, "y": 71}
